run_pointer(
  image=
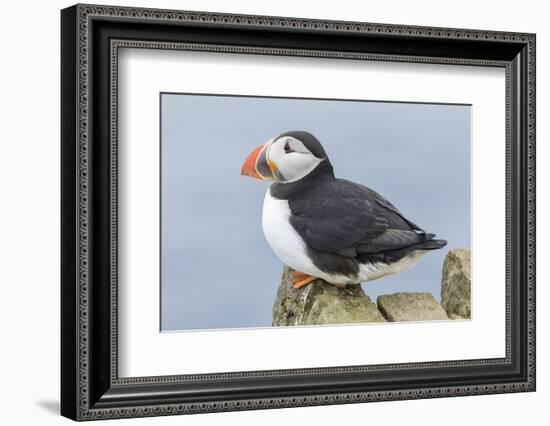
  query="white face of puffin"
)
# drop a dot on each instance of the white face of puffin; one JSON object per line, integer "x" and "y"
{"x": 285, "y": 160}
{"x": 290, "y": 159}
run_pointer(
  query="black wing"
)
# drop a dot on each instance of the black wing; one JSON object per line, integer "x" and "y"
{"x": 348, "y": 219}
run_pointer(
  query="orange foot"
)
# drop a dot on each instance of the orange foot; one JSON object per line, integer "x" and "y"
{"x": 300, "y": 279}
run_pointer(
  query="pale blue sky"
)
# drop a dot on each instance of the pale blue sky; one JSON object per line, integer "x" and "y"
{"x": 217, "y": 270}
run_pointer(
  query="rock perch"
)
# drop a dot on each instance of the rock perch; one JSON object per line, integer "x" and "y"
{"x": 410, "y": 306}
{"x": 321, "y": 303}
{"x": 456, "y": 284}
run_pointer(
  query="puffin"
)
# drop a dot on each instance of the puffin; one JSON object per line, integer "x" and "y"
{"x": 325, "y": 227}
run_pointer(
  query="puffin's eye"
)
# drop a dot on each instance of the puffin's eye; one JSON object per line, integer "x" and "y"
{"x": 287, "y": 147}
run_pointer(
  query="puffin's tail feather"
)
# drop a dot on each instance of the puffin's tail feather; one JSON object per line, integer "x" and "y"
{"x": 431, "y": 245}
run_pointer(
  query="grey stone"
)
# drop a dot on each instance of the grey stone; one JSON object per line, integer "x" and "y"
{"x": 456, "y": 284}
{"x": 321, "y": 303}
{"x": 410, "y": 306}
{"x": 456, "y": 317}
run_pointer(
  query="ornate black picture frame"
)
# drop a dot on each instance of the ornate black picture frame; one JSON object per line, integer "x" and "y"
{"x": 90, "y": 38}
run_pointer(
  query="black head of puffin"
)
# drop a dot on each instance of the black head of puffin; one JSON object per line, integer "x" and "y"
{"x": 285, "y": 158}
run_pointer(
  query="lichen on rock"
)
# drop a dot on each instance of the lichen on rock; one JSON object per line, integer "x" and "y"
{"x": 456, "y": 284}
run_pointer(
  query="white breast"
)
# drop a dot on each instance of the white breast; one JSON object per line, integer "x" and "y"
{"x": 283, "y": 239}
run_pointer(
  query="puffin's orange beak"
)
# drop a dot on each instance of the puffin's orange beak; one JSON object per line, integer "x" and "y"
{"x": 249, "y": 165}
{"x": 256, "y": 165}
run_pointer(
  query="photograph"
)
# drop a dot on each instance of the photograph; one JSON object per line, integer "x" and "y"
{"x": 304, "y": 212}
